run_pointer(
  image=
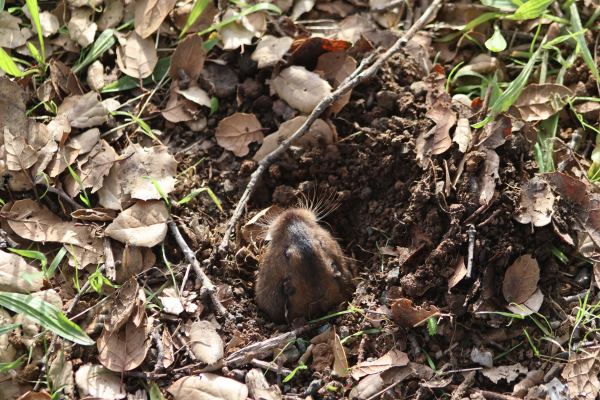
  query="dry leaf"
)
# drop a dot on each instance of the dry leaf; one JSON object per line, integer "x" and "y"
{"x": 235, "y": 34}
{"x": 340, "y": 362}
{"x": 20, "y": 155}
{"x": 82, "y": 29}
{"x": 320, "y": 133}
{"x": 84, "y": 111}
{"x": 530, "y": 306}
{"x": 60, "y": 372}
{"x": 237, "y": 131}
{"x": 352, "y": 27}
{"x": 111, "y": 15}
{"x": 463, "y": 135}
{"x": 405, "y": 313}
{"x": 300, "y": 88}
{"x": 188, "y": 58}
{"x": 18, "y": 276}
{"x": 336, "y": 66}
{"x": 439, "y": 110}
{"x": 270, "y": 50}
{"x": 125, "y": 349}
{"x": 195, "y": 94}
{"x": 96, "y": 381}
{"x": 208, "y": 386}
{"x": 168, "y": 348}
{"x": 537, "y": 203}
{"x": 133, "y": 260}
{"x": 135, "y": 176}
{"x": 488, "y": 176}
{"x": 393, "y": 358}
{"x": 143, "y": 224}
{"x": 11, "y": 35}
{"x": 581, "y": 373}
{"x": 137, "y": 57}
{"x": 149, "y": 14}
{"x": 92, "y": 172}
{"x": 49, "y": 24}
{"x": 521, "y": 279}
{"x": 254, "y": 229}
{"x": 460, "y": 271}
{"x": 506, "y": 372}
{"x": 533, "y": 378}
{"x": 538, "y": 102}
{"x": 205, "y": 342}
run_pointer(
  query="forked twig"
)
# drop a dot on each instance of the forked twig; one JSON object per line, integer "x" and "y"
{"x": 208, "y": 289}
{"x": 367, "y": 68}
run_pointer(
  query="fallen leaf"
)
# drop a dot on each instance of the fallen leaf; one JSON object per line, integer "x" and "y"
{"x": 143, "y": 224}
{"x": 235, "y": 34}
{"x": 539, "y": 102}
{"x": 270, "y": 50}
{"x": 205, "y": 342}
{"x": 81, "y": 27}
{"x": 300, "y": 88}
{"x": 197, "y": 95}
{"x": 340, "y": 362}
{"x": 60, "y": 372}
{"x": 506, "y": 372}
{"x": 134, "y": 260}
{"x": 188, "y": 59}
{"x": 18, "y": 276}
{"x": 581, "y": 373}
{"x": 439, "y": 110}
{"x": 137, "y": 175}
{"x": 20, "y": 155}
{"x": 125, "y": 349}
{"x": 85, "y": 111}
{"x": 336, "y": 66}
{"x": 96, "y": 381}
{"x": 92, "y": 172}
{"x": 48, "y": 22}
{"x": 254, "y": 229}
{"x": 320, "y": 132}
{"x": 301, "y": 7}
{"x": 149, "y": 14}
{"x": 122, "y": 305}
{"x": 460, "y": 271}
{"x": 537, "y": 203}
{"x": 208, "y": 386}
{"x": 488, "y": 176}
{"x": 137, "y": 57}
{"x": 521, "y": 279}
{"x": 533, "y": 378}
{"x": 237, "y": 131}
{"x": 463, "y": 135}
{"x": 11, "y": 35}
{"x": 529, "y": 306}
{"x": 351, "y": 28}
{"x": 393, "y": 358}
{"x": 112, "y": 14}
{"x": 405, "y": 313}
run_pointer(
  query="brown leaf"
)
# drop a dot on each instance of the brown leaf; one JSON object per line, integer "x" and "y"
{"x": 254, "y": 229}
{"x": 137, "y": 57}
{"x": 506, "y": 372}
{"x": 488, "y": 176}
{"x": 340, "y": 362}
{"x": 133, "y": 260}
{"x": 521, "y": 279}
{"x": 529, "y": 306}
{"x": 125, "y": 349}
{"x": 18, "y": 276}
{"x": 205, "y": 342}
{"x": 20, "y": 155}
{"x": 235, "y": 34}
{"x": 188, "y": 58}
{"x": 96, "y": 381}
{"x": 393, "y": 358}
{"x": 237, "y": 131}
{"x": 270, "y": 50}
{"x": 149, "y": 14}
{"x": 537, "y": 203}
{"x": 143, "y": 224}
{"x": 336, "y": 67}
{"x": 300, "y": 88}
{"x": 539, "y": 102}
{"x": 84, "y": 111}
{"x": 581, "y": 373}
{"x": 460, "y": 271}
{"x": 82, "y": 28}
{"x": 320, "y": 132}
{"x": 11, "y": 35}
{"x": 405, "y": 313}
{"x": 111, "y": 15}
{"x": 440, "y": 111}
{"x": 93, "y": 171}
{"x": 208, "y": 386}
{"x": 195, "y": 94}
{"x": 94, "y": 214}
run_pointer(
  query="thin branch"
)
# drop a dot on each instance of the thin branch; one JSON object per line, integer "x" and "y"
{"x": 362, "y": 73}
{"x": 208, "y": 288}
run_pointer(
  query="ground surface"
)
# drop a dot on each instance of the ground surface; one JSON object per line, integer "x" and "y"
{"x": 422, "y": 196}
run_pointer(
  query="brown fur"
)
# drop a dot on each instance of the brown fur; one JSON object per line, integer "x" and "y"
{"x": 303, "y": 270}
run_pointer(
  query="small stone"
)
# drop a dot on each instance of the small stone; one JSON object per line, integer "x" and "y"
{"x": 387, "y": 99}
{"x": 418, "y": 88}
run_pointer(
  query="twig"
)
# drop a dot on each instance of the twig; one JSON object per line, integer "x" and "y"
{"x": 208, "y": 288}
{"x": 471, "y": 234}
{"x": 62, "y": 195}
{"x": 270, "y": 366}
{"x": 362, "y": 73}
{"x": 246, "y": 354}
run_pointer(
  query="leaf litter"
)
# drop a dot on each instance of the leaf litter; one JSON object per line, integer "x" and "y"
{"x": 449, "y": 225}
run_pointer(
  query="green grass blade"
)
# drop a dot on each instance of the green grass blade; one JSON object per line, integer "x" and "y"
{"x": 56, "y": 262}
{"x": 127, "y": 82}
{"x": 45, "y": 314}
{"x": 8, "y": 65}
{"x": 8, "y": 366}
{"x": 105, "y": 41}
{"x": 8, "y": 328}
{"x": 34, "y": 11}
{"x": 197, "y": 10}
{"x": 531, "y": 9}
{"x": 241, "y": 14}
{"x": 585, "y": 51}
